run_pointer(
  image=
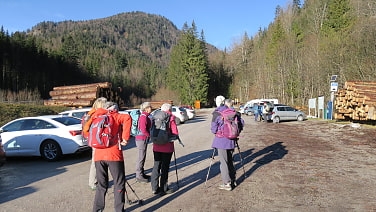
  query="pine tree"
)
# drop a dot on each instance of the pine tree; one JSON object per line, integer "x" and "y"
{"x": 188, "y": 68}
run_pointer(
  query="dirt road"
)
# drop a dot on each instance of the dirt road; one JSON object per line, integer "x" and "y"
{"x": 290, "y": 166}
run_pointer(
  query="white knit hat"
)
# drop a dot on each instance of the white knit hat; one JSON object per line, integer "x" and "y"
{"x": 219, "y": 100}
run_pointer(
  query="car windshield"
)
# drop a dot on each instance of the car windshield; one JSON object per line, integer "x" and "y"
{"x": 67, "y": 120}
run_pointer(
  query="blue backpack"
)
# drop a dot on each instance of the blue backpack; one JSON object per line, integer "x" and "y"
{"x": 135, "y": 115}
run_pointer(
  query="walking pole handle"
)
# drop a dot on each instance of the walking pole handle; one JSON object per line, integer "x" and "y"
{"x": 180, "y": 142}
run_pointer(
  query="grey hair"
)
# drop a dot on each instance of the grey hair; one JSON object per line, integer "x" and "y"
{"x": 144, "y": 105}
{"x": 111, "y": 106}
{"x": 229, "y": 102}
{"x": 166, "y": 107}
{"x": 99, "y": 103}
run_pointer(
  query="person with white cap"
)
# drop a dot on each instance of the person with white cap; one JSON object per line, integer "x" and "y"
{"x": 223, "y": 145}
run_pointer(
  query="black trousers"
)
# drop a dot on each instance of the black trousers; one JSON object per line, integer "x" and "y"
{"x": 159, "y": 176}
{"x": 118, "y": 174}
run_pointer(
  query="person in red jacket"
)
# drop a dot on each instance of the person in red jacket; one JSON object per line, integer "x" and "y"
{"x": 162, "y": 156}
{"x": 142, "y": 139}
{"x": 98, "y": 103}
{"x": 111, "y": 158}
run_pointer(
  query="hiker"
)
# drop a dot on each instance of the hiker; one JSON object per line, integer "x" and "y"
{"x": 163, "y": 152}
{"x": 258, "y": 112}
{"x": 224, "y": 145}
{"x": 142, "y": 139}
{"x": 111, "y": 158}
{"x": 98, "y": 103}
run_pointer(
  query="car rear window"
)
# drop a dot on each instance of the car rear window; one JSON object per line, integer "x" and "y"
{"x": 66, "y": 120}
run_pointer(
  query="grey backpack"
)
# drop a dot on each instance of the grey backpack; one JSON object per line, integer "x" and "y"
{"x": 160, "y": 132}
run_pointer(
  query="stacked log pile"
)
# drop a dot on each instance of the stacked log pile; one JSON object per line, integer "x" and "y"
{"x": 83, "y": 95}
{"x": 357, "y": 101}
{"x": 158, "y": 104}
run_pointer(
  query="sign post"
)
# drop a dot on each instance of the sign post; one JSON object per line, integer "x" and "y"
{"x": 333, "y": 88}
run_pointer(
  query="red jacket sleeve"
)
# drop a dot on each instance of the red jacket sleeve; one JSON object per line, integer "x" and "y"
{"x": 125, "y": 121}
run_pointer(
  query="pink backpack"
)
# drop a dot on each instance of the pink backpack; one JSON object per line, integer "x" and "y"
{"x": 230, "y": 124}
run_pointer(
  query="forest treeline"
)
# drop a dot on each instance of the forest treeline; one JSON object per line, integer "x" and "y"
{"x": 292, "y": 59}
{"x": 295, "y": 56}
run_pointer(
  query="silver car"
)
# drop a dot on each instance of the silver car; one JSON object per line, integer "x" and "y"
{"x": 287, "y": 113}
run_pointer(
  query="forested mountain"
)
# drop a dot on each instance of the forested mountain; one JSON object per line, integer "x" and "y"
{"x": 292, "y": 59}
{"x": 130, "y": 49}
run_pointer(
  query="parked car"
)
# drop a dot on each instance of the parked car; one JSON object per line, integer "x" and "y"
{"x": 2, "y": 153}
{"x": 47, "y": 136}
{"x": 179, "y": 112}
{"x": 78, "y": 113}
{"x": 285, "y": 113}
{"x": 249, "y": 110}
{"x": 190, "y": 111}
{"x": 186, "y": 106}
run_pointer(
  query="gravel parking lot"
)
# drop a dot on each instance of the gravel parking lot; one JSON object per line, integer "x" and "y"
{"x": 312, "y": 165}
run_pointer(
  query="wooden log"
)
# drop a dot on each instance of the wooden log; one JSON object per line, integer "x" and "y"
{"x": 351, "y": 83}
{"x": 99, "y": 84}
{"x": 77, "y": 102}
{"x": 73, "y": 91}
{"x": 85, "y": 95}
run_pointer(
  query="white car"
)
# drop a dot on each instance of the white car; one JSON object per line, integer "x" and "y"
{"x": 47, "y": 136}
{"x": 191, "y": 113}
{"x": 178, "y": 112}
{"x": 78, "y": 113}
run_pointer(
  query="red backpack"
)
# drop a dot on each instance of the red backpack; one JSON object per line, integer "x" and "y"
{"x": 100, "y": 133}
{"x": 229, "y": 127}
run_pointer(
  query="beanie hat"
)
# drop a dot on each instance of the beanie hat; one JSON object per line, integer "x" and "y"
{"x": 219, "y": 100}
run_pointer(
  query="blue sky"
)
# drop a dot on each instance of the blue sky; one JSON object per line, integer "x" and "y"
{"x": 223, "y": 21}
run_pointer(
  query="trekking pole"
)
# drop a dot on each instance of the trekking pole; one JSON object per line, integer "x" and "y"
{"x": 211, "y": 162}
{"x": 240, "y": 155}
{"x": 126, "y": 194}
{"x": 134, "y": 192}
{"x": 176, "y": 171}
{"x": 180, "y": 142}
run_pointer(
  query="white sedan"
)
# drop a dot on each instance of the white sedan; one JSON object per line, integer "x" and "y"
{"x": 46, "y": 136}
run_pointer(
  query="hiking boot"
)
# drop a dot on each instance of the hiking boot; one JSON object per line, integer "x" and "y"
{"x": 226, "y": 186}
{"x": 146, "y": 176}
{"x": 93, "y": 188}
{"x": 155, "y": 192}
{"x": 142, "y": 180}
{"x": 168, "y": 191}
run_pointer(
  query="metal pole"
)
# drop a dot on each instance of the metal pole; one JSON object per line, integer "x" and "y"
{"x": 176, "y": 170}
{"x": 211, "y": 162}
{"x": 241, "y": 158}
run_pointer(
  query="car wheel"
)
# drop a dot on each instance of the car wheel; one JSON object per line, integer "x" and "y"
{"x": 300, "y": 118}
{"x": 177, "y": 121}
{"x": 50, "y": 150}
{"x": 276, "y": 119}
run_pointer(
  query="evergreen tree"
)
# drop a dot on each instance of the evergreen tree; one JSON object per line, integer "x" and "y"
{"x": 188, "y": 68}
